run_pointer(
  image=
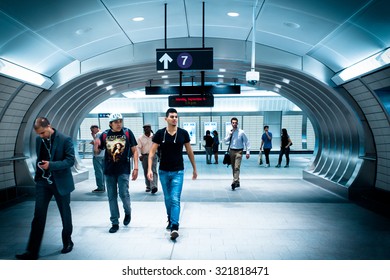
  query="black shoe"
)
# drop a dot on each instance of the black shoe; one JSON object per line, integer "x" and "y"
{"x": 154, "y": 190}
{"x": 126, "y": 220}
{"x": 114, "y": 229}
{"x": 174, "y": 231}
{"x": 147, "y": 190}
{"x": 67, "y": 248}
{"x": 98, "y": 191}
{"x": 169, "y": 226}
{"x": 235, "y": 185}
{"x": 174, "y": 234}
{"x": 27, "y": 256}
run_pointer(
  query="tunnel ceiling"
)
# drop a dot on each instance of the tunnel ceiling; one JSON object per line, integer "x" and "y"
{"x": 46, "y": 36}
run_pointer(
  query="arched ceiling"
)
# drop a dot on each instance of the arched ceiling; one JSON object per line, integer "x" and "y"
{"x": 47, "y": 36}
{"x": 78, "y": 44}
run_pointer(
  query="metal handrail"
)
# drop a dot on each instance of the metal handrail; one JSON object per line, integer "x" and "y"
{"x": 13, "y": 159}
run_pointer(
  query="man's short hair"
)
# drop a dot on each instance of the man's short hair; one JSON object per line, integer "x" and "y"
{"x": 94, "y": 126}
{"x": 170, "y": 111}
{"x": 266, "y": 126}
{"x": 41, "y": 122}
{"x": 234, "y": 119}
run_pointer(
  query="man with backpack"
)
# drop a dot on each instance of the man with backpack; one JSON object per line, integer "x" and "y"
{"x": 120, "y": 146}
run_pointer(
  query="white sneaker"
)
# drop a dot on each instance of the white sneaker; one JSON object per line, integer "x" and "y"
{"x": 174, "y": 234}
{"x": 267, "y": 165}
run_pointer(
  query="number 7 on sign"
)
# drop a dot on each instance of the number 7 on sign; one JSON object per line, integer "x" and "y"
{"x": 184, "y": 60}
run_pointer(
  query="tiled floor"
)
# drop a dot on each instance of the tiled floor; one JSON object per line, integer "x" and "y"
{"x": 275, "y": 215}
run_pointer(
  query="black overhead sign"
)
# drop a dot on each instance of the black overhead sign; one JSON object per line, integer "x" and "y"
{"x": 197, "y": 100}
{"x": 207, "y": 89}
{"x": 184, "y": 59}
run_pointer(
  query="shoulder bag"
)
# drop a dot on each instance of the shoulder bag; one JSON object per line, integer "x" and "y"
{"x": 226, "y": 158}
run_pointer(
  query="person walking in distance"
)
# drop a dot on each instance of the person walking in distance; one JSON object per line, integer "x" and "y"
{"x": 238, "y": 143}
{"x": 215, "y": 146}
{"x": 53, "y": 177}
{"x": 98, "y": 162}
{"x": 144, "y": 146}
{"x": 120, "y": 145}
{"x": 208, "y": 146}
{"x": 285, "y": 143}
{"x": 170, "y": 140}
{"x": 266, "y": 144}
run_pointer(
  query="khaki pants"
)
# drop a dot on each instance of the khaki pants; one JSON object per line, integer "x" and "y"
{"x": 236, "y": 157}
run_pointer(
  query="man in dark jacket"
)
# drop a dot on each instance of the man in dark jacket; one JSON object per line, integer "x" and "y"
{"x": 53, "y": 177}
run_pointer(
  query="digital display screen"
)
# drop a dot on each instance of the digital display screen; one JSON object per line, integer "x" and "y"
{"x": 191, "y": 100}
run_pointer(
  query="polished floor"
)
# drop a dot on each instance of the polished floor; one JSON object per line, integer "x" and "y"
{"x": 274, "y": 215}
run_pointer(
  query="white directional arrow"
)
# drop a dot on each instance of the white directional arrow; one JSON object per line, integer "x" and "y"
{"x": 165, "y": 58}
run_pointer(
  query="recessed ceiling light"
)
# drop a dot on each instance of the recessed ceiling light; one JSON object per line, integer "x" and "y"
{"x": 233, "y": 14}
{"x": 82, "y": 31}
{"x": 291, "y": 24}
{"x": 138, "y": 19}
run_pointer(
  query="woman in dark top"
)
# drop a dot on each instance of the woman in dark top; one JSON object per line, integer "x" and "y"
{"x": 215, "y": 146}
{"x": 285, "y": 143}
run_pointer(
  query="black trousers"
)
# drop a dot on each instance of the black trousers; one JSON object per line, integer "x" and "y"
{"x": 284, "y": 151}
{"x": 266, "y": 154}
{"x": 44, "y": 193}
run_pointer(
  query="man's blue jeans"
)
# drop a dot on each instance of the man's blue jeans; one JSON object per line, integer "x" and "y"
{"x": 172, "y": 185}
{"x": 113, "y": 184}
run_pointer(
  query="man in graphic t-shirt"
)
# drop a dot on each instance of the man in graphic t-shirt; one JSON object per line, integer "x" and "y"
{"x": 120, "y": 145}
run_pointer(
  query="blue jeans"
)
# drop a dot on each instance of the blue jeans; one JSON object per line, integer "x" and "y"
{"x": 209, "y": 153}
{"x": 172, "y": 185}
{"x": 98, "y": 165}
{"x": 113, "y": 184}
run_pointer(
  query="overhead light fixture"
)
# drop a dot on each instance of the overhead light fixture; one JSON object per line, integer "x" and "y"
{"x": 138, "y": 19}
{"x": 23, "y": 74}
{"x": 365, "y": 66}
{"x": 233, "y": 14}
{"x": 82, "y": 31}
{"x": 292, "y": 25}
